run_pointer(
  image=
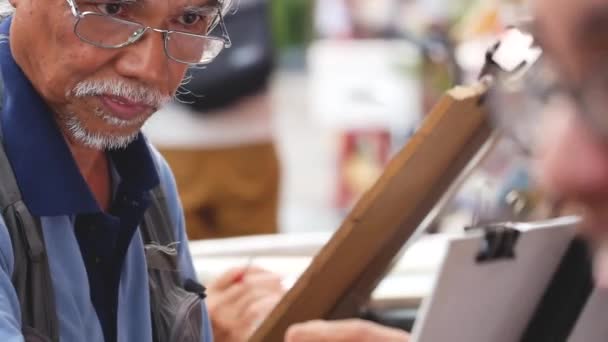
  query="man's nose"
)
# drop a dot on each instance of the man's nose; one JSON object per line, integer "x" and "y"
{"x": 573, "y": 162}
{"x": 145, "y": 61}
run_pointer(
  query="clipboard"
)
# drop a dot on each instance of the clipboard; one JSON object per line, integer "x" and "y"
{"x": 493, "y": 280}
{"x": 339, "y": 281}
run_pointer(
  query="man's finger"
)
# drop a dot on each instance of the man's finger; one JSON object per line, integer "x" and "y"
{"x": 266, "y": 280}
{"x": 250, "y": 297}
{"x": 343, "y": 331}
{"x": 260, "y": 309}
{"x": 226, "y": 279}
{"x": 235, "y": 275}
{"x": 227, "y": 296}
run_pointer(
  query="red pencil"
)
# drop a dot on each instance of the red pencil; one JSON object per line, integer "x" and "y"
{"x": 239, "y": 277}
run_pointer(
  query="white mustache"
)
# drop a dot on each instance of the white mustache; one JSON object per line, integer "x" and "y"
{"x": 131, "y": 91}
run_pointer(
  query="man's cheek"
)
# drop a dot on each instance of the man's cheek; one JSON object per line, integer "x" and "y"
{"x": 595, "y": 219}
{"x": 74, "y": 68}
{"x": 572, "y": 161}
{"x": 177, "y": 73}
{"x": 547, "y": 164}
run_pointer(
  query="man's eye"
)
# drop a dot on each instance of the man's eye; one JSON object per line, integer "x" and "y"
{"x": 189, "y": 19}
{"x": 110, "y": 8}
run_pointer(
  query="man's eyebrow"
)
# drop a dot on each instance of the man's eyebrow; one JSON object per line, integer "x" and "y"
{"x": 139, "y": 3}
{"x": 203, "y": 5}
{"x": 125, "y": 2}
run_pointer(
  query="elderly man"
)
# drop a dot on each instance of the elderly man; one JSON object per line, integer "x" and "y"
{"x": 574, "y": 157}
{"x": 80, "y": 78}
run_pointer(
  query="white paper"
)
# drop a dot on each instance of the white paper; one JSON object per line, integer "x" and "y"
{"x": 365, "y": 83}
{"x": 492, "y": 301}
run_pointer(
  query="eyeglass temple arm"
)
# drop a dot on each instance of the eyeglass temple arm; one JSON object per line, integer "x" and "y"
{"x": 224, "y": 29}
{"x": 73, "y": 7}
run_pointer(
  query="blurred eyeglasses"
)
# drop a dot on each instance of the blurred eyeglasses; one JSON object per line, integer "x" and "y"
{"x": 192, "y": 48}
{"x": 526, "y": 84}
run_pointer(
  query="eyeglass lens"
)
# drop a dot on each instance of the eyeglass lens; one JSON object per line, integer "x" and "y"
{"x": 109, "y": 32}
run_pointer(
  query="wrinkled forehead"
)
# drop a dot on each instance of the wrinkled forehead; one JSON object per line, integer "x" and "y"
{"x": 164, "y": 5}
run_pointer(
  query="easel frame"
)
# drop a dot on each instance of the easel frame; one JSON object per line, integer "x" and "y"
{"x": 345, "y": 272}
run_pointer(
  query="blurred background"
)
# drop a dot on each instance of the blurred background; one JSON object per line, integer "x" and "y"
{"x": 292, "y": 124}
{"x": 289, "y": 127}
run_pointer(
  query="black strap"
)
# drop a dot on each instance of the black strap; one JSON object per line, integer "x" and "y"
{"x": 156, "y": 229}
{"x": 565, "y": 298}
{"x": 169, "y": 297}
{"x": 31, "y": 275}
{"x": 157, "y": 226}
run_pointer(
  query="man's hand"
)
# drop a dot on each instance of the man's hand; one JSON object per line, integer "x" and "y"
{"x": 353, "y": 330}
{"x": 240, "y": 300}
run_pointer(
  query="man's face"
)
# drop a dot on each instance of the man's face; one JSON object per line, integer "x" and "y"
{"x": 574, "y": 165}
{"x": 100, "y": 97}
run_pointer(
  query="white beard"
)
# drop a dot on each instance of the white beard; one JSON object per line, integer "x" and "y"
{"x": 97, "y": 141}
{"x": 132, "y": 91}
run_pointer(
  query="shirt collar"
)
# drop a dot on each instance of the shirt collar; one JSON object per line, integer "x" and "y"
{"x": 47, "y": 175}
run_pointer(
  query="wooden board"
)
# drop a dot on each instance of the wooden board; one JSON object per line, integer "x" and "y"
{"x": 344, "y": 273}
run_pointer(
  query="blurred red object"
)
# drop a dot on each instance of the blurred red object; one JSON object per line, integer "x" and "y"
{"x": 362, "y": 157}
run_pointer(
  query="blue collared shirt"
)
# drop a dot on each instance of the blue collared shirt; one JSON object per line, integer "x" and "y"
{"x": 97, "y": 260}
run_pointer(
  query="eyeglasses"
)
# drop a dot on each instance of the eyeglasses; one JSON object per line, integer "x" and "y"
{"x": 524, "y": 88}
{"x": 109, "y": 32}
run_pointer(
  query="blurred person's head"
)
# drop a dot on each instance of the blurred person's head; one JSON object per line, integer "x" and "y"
{"x": 370, "y": 18}
{"x": 574, "y": 164}
{"x": 105, "y": 66}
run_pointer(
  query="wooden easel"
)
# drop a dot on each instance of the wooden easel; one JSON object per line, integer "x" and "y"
{"x": 345, "y": 272}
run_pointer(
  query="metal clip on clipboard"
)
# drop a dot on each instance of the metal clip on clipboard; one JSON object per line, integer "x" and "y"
{"x": 498, "y": 243}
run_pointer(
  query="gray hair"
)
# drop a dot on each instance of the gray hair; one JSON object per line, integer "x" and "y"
{"x": 7, "y": 9}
